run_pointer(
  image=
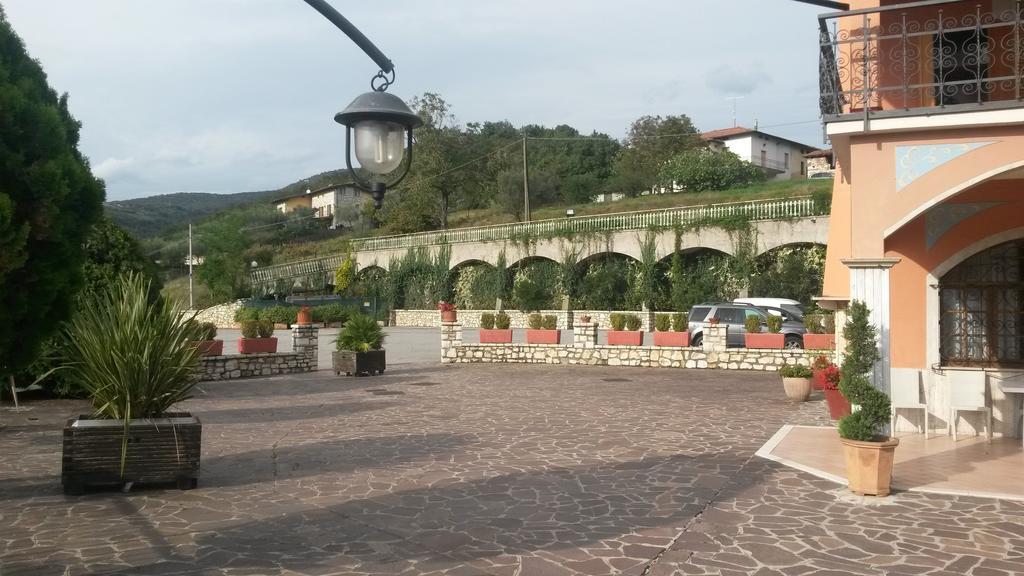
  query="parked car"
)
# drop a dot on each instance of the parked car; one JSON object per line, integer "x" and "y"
{"x": 777, "y": 306}
{"x": 735, "y": 315}
{"x": 787, "y": 313}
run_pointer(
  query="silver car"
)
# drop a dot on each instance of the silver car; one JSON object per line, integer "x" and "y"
{"x": 735, "y": 316}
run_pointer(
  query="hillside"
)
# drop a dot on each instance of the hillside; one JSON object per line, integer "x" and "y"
{"x": 147, "y": 217}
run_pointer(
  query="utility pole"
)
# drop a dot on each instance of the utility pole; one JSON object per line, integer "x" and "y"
{"x": 526, "y": 183}
{"x": 191, "y": 304}
{"x": 734, "y": 99}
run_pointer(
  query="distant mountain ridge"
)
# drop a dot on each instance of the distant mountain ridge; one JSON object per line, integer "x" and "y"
{"x": 149, "y": 216}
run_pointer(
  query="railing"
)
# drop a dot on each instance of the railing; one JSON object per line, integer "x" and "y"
{"x": 769, "y": 164}
{"x": 921, "y": 57}
{"x": 797, "y": 207}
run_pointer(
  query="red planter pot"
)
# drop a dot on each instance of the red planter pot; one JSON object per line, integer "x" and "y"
{"x": 543, "y": 336}
{"x": 495, "y": 336}
{"x": 257, "y": 345}
{"x": 838, "y": 405}
{"x": 210, "y": 347}
{"x": 449, "y": 316}
{"x": 820, "y": 341}
{"x": 625, "y": 338}
{"x": 818, "y": 382}
{"x": 773, "y": 341}
{"x": 304, "y": 317}
{"x": 671, "y": 338}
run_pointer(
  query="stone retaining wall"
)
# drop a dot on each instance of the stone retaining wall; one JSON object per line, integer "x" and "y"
{"x": 471, "y": 318}
{"x": 222, "y": 315}
{"x": 585, "y": 350}
{"x": 305, "y": 340}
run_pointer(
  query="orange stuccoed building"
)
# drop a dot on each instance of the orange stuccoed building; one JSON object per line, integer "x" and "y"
{"x": 924, "y": 105}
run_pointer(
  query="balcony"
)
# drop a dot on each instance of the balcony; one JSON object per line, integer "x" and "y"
{"x": 921, "y": 58}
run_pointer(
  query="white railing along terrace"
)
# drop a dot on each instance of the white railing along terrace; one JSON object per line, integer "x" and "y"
{"x": 795, "y": 207}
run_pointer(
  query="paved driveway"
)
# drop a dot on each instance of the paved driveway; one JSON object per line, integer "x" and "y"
{"x": 476, "y": 469}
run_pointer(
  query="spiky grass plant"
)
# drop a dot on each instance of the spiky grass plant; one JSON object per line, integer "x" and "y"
{"x": 360, "y": 334}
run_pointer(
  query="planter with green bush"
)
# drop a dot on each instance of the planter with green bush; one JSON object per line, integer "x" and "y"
{"x": 257, "y": 337}
{"x": 868, "y": 450}
{"x": 670, "y": 330}
{"x": 543, "y": 330}
{"x": 359, "y": 347}
{"x": 754, "y": 338}
{"x": 208, "y": 345}
{"x": 625, "y": 330}
{"x": 821, "y": 332}
{"x": 494, "y": 329}
{"x": 134, "y": 359}
{"x": 796, "y": 381}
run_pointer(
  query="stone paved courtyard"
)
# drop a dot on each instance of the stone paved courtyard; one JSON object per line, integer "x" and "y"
{"x": 526, "y": 469}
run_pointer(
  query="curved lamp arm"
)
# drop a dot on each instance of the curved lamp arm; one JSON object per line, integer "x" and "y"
{"x": 352, "y": 32}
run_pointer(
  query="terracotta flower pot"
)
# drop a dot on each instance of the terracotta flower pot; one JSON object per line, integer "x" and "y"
{"x": 797, "y": 389}
{"x": 449, "y": 316}
{"x": 838, "y": 405}
{"x": 304, "y": 317}
{"x": 771, "y": 341}
{"x": 257, "y": 345}
{"x": 869, "y": 465}
{"x": 495, "y": 336}
{"x": 543, "y": 336}
{"x": 820, "y": 341}
{"x": 210, "y": 347}
{"x": 672, "y": 339}
{"x": 818, "y": 381}
{"x": 625, "y": 338}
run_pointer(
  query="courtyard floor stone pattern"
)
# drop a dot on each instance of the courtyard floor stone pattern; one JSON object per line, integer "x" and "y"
{"x": 472, "y": 470}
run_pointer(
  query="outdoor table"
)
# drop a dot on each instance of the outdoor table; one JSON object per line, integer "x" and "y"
{"x": 1016, "y": 387}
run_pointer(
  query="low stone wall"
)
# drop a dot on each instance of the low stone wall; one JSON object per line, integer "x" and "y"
{"x": 471, "y": 318}
{"x": 222, "y": 315}
{"x": 305, "y": 340}
{"x": 585, "y": 350}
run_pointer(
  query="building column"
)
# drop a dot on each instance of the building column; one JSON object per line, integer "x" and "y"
{"x": 584, "y": 335}
{"x": 306, "y": 341}
{"x": 869, "y": 283}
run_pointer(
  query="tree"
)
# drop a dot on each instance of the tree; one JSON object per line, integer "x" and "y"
{"x": 651, "y": 141}
{"x": 111, "y": 252}
{"x": 49, "y": 201}
{"x": 702, "y": 169}
{"x": 224, "y": 269}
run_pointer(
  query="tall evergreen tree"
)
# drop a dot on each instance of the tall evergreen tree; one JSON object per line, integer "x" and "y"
{"x": 49, "y": 201}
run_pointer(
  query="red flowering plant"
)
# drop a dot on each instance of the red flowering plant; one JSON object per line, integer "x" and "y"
{"x": 831, "y": 377}
{"x": 821, "y": 363}
{"x": 445, "y": 306}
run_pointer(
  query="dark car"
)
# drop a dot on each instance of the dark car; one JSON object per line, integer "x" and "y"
{"x": 735, "y": 317}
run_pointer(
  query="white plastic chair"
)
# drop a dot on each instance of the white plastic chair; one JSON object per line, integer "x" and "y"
{"x": 905, "y": 393}
{"x": 967, "y": 393}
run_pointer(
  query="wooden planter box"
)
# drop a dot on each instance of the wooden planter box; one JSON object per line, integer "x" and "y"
{"x": 358, "y": 363}
{"x": 671, "y": 338}
{"x": 773, "y": 341}
{"x": 257, "y": 345}
{"x": 160, "y": 450}
{"x": 543, "y": 336}
{"x": 625, "y": 338}
{"x": 495, "y": 336}
{"x": 820, "y": 341}
{"x": 210, "y": 347}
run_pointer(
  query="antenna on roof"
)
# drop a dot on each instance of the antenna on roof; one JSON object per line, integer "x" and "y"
{"x": 734, "y": 99}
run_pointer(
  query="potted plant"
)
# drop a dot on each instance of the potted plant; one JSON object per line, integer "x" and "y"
{"x": 208, "y": 345}
{"x": 678, "y": 336}
{"x": 869, "y": 452}
{"x": 585, "y": 319}
{"x": 304, "y": 316}
{"x": 448, "y": 312}
{"x": 135, "y": 360}
{"x": 818, "y": 366}
{"x": 359, "y": 347}
{"x": 796, "y": 381}
{"x": 821, "y": 332}
{"x": 838, "y": 405}
{"x": 625, "y": 330}
{"x": 257, "y": 337}
{"x": 543, "y": 330}
{"x": 755, "y": 339}
{"x": 495, "y": 329}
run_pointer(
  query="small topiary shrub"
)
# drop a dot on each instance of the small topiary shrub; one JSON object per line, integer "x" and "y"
{"x": 487, "y": 321}
{"x": 550, "y": 322}
{"x": 828, "y": 322}
{"x": 752, "y": 324}
{"x": 617, "y": 320}
{"x": 662, "y": 322}
{"x": 265, "y": 328}
{"x": 246, "y": 314}
{"x": 679, "y": 322}
{"x": 813, "y": 324}
{"x": 867, "y": 423}
{"x": 774, "y": 323}
{"x": 535, "y": 322}
{"x": 208, "y": 330}
{"x": 502, "y": 321}
{"x": 795, "y": 371}
{"x": 250, "y": 328}
{"x": 633, "y": 322}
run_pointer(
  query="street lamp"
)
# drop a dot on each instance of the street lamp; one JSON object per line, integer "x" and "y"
{"x": 382, "y": 123}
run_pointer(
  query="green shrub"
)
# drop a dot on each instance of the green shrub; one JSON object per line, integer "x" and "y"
{"x": 530, "y": 295}
{"x": 550, "y": 322}
{"x": 502, "y": 321}
{"x": 265, "y": 328}
{"x": 280, "y": 314}
{"x": 774, "y": 323}
{"x": 535, "y": 321}
{"x": 828, "y": 323}
{"x": 867, "y": 423}
{"x": 208, "y": 330}
{"x": 795, "y": 371}
{"x": 703, "y": 169}
{"x": 752, "y": 324}
{"x": 250, "y": 328}
{"x": 662, "y": 322}
{"x": 246, "y": 314}
{"x": 133, "y": 357}
{"x": 360, "y": 334}
{"x": 332, "y": 313}
{"x": 617, "y": 320}
{"x": 633, "y": 322}
{"x": 487, "y": 321}
{"x": 679, "y": 322}
{"x": 813, "y": 323}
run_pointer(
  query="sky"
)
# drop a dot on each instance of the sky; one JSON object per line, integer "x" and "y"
{"x": 239, "y": 95}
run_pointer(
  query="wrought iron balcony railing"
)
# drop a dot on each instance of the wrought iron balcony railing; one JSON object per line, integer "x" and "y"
{"x": 921, "y": 57}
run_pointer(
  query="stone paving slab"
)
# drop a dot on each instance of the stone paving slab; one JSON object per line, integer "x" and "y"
{"x": 526, "y": 470}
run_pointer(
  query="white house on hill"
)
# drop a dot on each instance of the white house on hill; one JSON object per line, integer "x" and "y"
{"x": 782, "y": 159}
